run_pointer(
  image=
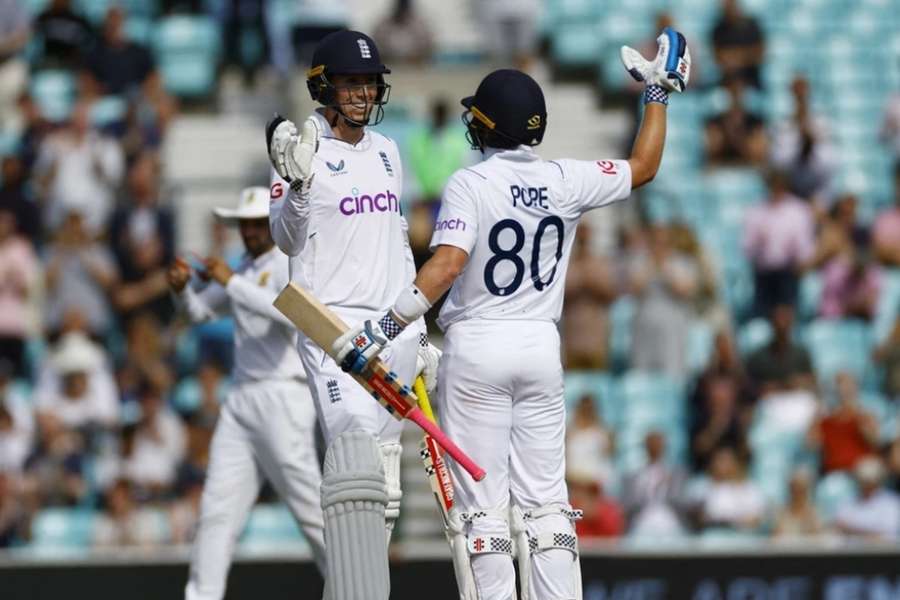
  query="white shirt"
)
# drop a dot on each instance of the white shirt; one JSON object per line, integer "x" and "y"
{"x": 155, "y": 460}
{"x": 878, "y": 514}
{"x": 264, "y": 339}
{"x": 732, "y": 501}
{"x": 15, "y": 444}
{"x": 515, "y": 215}
{"x": 348, "y": 245}
{"x": 99, "y": 404}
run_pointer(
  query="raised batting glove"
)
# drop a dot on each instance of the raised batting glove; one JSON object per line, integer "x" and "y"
{"x": 291, "y": 154}
{"x": 427, "y": 363}
{"x": 669, "y": 71}
{"x": 359, "y": 345}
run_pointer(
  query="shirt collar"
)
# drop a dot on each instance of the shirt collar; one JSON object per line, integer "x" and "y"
{"x": 520, "y": 152}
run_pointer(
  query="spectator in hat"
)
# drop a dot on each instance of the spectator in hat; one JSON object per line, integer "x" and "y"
{"x": 875, "y": 514}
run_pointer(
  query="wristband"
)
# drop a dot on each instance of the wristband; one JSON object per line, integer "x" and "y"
{"x": 390, "y": 326}
{"x": 656, "y": 93}
{"x": 410, "y": 305}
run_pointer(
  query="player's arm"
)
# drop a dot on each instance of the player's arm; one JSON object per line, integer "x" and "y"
{"x": 291, "y": 156}
{"x": 246, "y": 293}
{"x": 440, "y": 271}
{"x": 206, "y": 305}
{"x": 668, "y": 72}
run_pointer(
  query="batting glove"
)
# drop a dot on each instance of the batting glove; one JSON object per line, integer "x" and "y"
{"x": 427, "y": 363}
{"x": 291, "y": 154}
{"x": 360, "y": 345}
{"x": 669, "y": 70}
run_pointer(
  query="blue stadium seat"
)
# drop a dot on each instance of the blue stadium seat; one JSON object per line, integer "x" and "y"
{"x": 888, "y": 310}
{"x": 62, "y": 529}
{"x": 271, "y": 528}
{"x": 810, "y": 296}
{"x": 833, "y": 491}
{"x": 187, "y": 51}
{"x": 699, "y": 345}
{"x": 620, "y": 315}
{"x": 658, "y": 394}
{"x": 839, "y": 346}
{"x": 754, "y": 334}
{"x": 603, "y": 388}
{"x": 54, "y": 93}
{"x": 577, "y": 44}
{"x": 108, "y": 110}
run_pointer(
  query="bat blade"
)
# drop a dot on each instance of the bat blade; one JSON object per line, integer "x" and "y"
{"x": 320, "y": 324}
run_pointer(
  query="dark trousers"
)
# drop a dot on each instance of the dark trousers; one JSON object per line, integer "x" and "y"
{"x": 772, "y": 288}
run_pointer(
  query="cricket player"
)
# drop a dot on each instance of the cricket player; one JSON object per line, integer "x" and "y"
{"x": 503, "y": 240}
{"x": 335, "y": 210}
{"x": 266, "y": 427}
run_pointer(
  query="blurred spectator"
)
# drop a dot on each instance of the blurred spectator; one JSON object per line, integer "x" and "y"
{"x": 403, "y": 36}
{"x": 590, "y": 289}
{"x": 886, "y": 230}
{"x": 436, "y": 151}
{"x": 15, "y": 199}
{"x": 245, "y": 35}
{"x": 66, "y": 35}
{"x": 738, "y": 43}
{"x": 892, "y": 456}
{"x": 78, "y": 168}
{"x": 13, "y": 519}
{"x": 31, "y": 137}
{"x": 799, "y": 517}
{"x": 707, "y": 304}
{"x": 719, "y": 421}
{"x": 847, "y": 434}
{"x": 875, "y": 514}
{"x": 652, "y": 495}
{"x": 121, "y": 67}
{"x": 778, "y": 240}
{"x": 159, "y": 445}
{"x": 840, "y": 231}
{"x": 664, "y": 284}
{"x": 75, "y": 385}
{"x": 589, "y": 444}
{"x": 143, "y": 240}
{"x": 123, "y": 523}
{"x": 603, "y": 517}
{"x": 890, "y": 127}
{"x": 512, "y": 29}
{"x": 19, "y": 271}
{"x": 800, "y": 147}
{"x": 736, "y": 136}
{"x": 14, "y": 35}
{"x": 80, "y": 273}
{"x": 851, "y": 286}
{"x": 213, "y": 391}
{"x": 781, "y": 364}
{"x": 732, "y": 499}
{"x": 313, "y": 20}
{"x": 146, "y": 357}
{"x": 55, "y": 470}
{"x": 16, "y": 425}
{"x": 887, "y": 354}
{"x": 184, "y": 514}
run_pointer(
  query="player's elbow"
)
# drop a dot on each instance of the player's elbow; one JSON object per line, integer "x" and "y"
{"x": 642, "y": 173}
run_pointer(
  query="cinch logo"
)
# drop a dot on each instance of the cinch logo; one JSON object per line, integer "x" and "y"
{"x": 451, "y": 224}
{"x": 358, "y": 204}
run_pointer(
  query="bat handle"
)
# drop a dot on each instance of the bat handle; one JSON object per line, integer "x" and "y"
{"x": 444, "y": 442}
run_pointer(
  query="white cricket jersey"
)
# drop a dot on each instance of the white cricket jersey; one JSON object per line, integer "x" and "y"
{"x": 349, "y": 245}
{"x": 264, "y": 339}
{"x": 515, "y": 215}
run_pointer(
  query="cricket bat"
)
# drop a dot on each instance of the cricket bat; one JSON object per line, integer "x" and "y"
{"x": 320, "y": 324}
{"x": 432, "y": 458}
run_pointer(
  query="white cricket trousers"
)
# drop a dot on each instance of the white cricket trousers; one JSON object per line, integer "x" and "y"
{"x": 265, "y": 429}
{"x": 501, "y": 400}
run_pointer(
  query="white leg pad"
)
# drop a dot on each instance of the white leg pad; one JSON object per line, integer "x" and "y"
{"x": 465, "y": 543}
{"x": 390, "y": 453}
{"x": 538, "y": 530}
{"x": 354, "y": 497}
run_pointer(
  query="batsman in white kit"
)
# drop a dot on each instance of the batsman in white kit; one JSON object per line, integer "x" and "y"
{"x": 502, "y": 241}
{"x": 266, "y": 427}
{"x": 335, "y": 210}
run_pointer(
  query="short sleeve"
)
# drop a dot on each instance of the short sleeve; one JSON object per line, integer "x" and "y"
{"x": 456, "y": 224}
{"x": 593, "y": 184}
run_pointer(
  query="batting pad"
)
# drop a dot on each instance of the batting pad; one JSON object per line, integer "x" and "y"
{"x": 391, "y": 455}
{"x": 354, "y": 496}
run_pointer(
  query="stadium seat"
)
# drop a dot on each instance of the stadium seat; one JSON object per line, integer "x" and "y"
{"x": 603, "y": 388}
{"x": 576, "y": 44}
{"x": 62, "y": 529}
{"x": 54, "y": 92}
{"x": 108, "y": 110}
{"x": 187, "y": 50}
{"x": 810, "y": 296}
{"x": 699, "y": 345}
{"x": 833, "y": 491}
{"x": 621, "y": 313}
{"x": 271, "y": 528}
{"x": 839, "y": 346}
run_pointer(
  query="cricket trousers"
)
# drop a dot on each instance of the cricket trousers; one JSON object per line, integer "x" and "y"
{"x": 265, "y": 429}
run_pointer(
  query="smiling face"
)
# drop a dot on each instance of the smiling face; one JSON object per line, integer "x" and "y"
{"x": 356, "y": 95}
{"x": 256, "y": 235}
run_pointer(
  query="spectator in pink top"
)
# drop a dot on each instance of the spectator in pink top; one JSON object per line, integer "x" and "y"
{"x": 18, "y": 271}
{"x": 779, "y": 238}
{"x": 886, "y": 232}
{"x": 850, "y": 286}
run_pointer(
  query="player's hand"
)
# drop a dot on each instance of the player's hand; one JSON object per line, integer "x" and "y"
{"x": 178, "y": 275}
{"x": 359, "y": 345}
{"x": 670, "y": 69}
{"x": 218, "y": 270}
{"x": 291, "y": 153}
{"x": 427, "y": 363}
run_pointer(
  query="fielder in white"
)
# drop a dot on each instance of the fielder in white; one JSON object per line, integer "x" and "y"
{"x": 503, "y": 240}
{"x": 335, "y": 210}
{"x": 266, "y": 427}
